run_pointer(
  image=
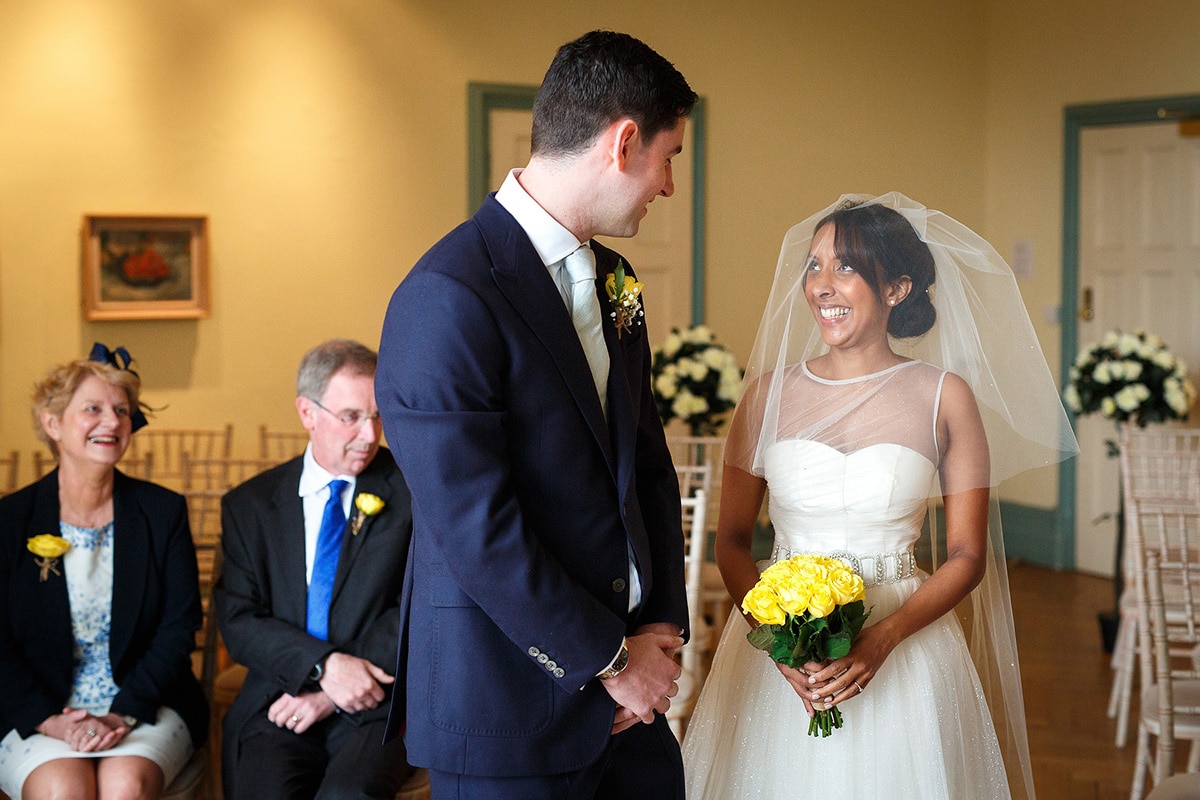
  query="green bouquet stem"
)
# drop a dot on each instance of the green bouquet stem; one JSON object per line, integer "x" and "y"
{"x": 823, "y": 722}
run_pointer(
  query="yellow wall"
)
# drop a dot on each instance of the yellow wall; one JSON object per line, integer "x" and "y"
{"x": 326, "y": 142}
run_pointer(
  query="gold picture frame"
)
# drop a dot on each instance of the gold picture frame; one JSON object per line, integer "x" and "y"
{"x": 145, "y": 267}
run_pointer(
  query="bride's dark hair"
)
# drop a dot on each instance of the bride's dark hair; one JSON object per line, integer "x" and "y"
{"x": 882, "y": 245}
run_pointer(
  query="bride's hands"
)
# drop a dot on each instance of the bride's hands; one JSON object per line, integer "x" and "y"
{"x": 835, "y": 681}
{"x": 823, "y": 685}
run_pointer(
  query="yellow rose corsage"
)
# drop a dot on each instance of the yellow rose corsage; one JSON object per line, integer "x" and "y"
{"x": 368, "y": 505}
{"x": 624, "y": 293}
{"x": 49, "y": 548}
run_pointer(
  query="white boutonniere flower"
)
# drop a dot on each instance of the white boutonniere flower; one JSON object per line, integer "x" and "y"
{"x": 624, "y": 293}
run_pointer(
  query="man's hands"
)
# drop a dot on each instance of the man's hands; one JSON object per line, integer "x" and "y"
{"x": 300, "y": 712}
{"x": 349, "y": 684}
{"x": 648, "y": 683}
{"x": 352, "y": 683}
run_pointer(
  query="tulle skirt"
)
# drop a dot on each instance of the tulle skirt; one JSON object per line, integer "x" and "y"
{"x": 920, "y": 729}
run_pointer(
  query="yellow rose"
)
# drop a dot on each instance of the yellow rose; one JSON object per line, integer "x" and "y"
{"x": 820, "y": 603}
{"x": 47, "y": 545}
{"x": 369, "y": 504}
{"x": 793, "y": 595}
{"x": 762, "y": 603}
{"x": 845, "y": 586}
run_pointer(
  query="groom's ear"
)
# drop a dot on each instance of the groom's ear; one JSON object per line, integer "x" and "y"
{"x": 618, "y": 141}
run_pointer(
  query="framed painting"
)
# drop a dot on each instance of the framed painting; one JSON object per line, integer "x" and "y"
{"x": 145, "y": 267}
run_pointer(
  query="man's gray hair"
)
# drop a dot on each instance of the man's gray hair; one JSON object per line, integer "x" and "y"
{"x": 327, "y": 359}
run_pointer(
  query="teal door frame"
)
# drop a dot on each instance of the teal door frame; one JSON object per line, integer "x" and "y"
{"x": 1076, "y": 118}
{"x": 482, "y": 98}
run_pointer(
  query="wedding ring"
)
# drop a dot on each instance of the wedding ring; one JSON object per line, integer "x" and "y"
{"x": 91, "y": 733}
{"x": 856, "y": 684}
{"x": 295, "y": 718}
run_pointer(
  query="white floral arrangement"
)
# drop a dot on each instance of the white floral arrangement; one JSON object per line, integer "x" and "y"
{"x": 695, "y": 380}
{"x": 1130, "y": 376}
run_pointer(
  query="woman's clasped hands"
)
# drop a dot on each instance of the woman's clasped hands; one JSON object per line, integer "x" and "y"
{"x": 83, "y": 731}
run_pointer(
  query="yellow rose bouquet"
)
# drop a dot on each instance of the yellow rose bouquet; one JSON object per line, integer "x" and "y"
{"x": 810, "y": 608}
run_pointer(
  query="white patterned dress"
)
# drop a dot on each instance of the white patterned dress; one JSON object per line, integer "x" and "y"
{"x": 88, "y": 569}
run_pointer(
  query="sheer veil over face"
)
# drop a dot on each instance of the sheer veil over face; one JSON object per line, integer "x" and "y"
{"x": 981, "y": 332}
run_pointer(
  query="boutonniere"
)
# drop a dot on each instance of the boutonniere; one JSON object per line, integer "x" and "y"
{"x": 624, "y": 293}
{"x": 368, "y": 505}
{"x": 49, "y": 548}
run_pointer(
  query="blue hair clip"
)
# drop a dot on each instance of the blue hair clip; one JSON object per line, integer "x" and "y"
{"x": 119, "y": 357}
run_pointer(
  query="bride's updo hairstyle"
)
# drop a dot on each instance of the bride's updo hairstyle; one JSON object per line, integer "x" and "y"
{"x": 882, "y": 245}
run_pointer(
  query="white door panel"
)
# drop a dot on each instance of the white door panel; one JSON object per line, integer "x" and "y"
{"x": 1140, "y": 259}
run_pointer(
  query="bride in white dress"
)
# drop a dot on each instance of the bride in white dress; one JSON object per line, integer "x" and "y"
{"x": 853, "y": 433}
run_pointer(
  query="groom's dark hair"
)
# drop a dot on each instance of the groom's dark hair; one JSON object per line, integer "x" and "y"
{"x": 599, "y": 78}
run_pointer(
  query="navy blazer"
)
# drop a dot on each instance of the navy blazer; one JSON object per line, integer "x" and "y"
{"x": 526, "y": 503}
{"x": 261, "y": 595}
{"x": 155, "y": 609}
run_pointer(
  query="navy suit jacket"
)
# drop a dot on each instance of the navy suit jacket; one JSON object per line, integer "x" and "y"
{"x": 525, "y": 504}
{"x": 155, "y": 609}
{"x": 262, "y": 593}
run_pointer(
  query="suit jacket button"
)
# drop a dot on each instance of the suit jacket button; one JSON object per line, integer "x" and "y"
{"x": 533, "y": 651}
{"x": 550, "y": 665}
{"x": 619, "y": 585}
{"x": 558, "y": 673}
{"x": 542, "y": 658}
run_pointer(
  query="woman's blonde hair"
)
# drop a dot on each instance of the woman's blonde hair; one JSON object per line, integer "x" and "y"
{"x": 53, "y": 392}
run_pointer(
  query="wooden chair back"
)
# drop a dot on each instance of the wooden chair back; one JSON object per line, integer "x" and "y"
{"x": 280, "y": 446}
{"x": 1172, "y": 570}
{"x": 169, "y": 445}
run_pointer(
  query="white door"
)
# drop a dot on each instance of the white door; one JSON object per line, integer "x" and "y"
{"x": 662, "y": 250}
{"x": 1139, "y": 260}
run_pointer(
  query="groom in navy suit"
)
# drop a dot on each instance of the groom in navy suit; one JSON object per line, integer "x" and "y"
{"x": 544, "y": 598}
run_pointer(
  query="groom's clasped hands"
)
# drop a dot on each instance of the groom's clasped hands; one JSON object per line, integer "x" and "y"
{"x": 647, "y": 685}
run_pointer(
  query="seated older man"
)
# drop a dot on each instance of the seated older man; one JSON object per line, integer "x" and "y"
{"x": 314, "y": 553}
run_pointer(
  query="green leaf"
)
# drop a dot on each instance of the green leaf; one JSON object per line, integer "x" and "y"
{"x": 839, "y": 645}
{"x": 762, "y": 637}
{"x": 619, "y": 277}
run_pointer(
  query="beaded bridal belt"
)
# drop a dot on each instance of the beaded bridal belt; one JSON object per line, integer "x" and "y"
{"x": 874, "y": 568}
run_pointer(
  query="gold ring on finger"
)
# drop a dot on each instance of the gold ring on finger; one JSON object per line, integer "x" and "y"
{"x": 856, "y": 683}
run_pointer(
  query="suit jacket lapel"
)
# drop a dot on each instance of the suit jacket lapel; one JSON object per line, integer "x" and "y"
{"x": 622, "y": 419}
{"x": 131, "y": 544}
{"x": 369, "y": 482}
{"x": 523, "y": 279}
{"x": 289, "y": 533}
{"x": 49, "y": 598}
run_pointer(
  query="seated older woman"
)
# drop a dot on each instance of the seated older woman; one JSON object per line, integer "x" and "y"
{"x": 99, "y": 605}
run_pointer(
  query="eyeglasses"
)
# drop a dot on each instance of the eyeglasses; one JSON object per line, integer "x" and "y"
{"x": 352, "y": 418}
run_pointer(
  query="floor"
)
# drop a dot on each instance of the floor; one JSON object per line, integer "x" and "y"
{"x": 1066, "y": 679}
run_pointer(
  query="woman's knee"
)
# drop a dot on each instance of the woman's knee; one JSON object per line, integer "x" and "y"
{"x": 129, "y": 778}
{"x": 60, "y": 779}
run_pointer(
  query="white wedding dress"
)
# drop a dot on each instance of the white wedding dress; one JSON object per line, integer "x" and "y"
{"x": 921, "y": 728}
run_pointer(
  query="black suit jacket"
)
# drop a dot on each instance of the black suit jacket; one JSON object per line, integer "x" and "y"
{"x": 527, "y": 501}
{"x": 155, "y": 609}
{"x": 261, "y": 596}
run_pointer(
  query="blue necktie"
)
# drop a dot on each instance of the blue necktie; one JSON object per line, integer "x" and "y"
{"x": 329, "y": 547}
